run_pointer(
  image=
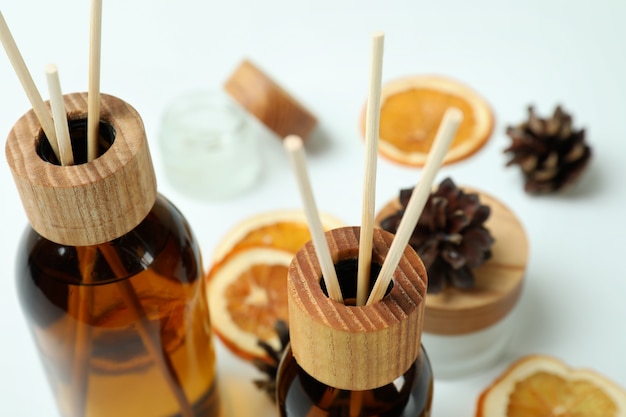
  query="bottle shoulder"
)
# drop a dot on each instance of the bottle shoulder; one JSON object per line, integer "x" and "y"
{"x": 299, "y": 394}
{"x": 164, "y": 231}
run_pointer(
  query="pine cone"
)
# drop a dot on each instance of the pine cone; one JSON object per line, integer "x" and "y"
{"x": 270, "y": 367}
{"x": 550, "y": 153}
{"x": 449, "y": 237}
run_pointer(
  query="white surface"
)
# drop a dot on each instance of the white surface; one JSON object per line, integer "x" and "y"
{"x": 514, "y": 53}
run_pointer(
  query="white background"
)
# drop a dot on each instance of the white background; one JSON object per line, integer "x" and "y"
{"x": 514, "y": 53}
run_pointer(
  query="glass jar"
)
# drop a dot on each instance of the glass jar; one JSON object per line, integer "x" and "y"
{"x": 210, "y": 145}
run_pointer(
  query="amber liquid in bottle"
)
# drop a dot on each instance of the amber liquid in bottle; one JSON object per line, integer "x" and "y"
{"x": 299, "y": 394}
{"x": 96, "y": 354}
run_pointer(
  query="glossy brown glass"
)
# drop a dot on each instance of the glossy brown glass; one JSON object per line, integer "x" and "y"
{"x": 300, "y": 395}
{"x": 97, "y": 313}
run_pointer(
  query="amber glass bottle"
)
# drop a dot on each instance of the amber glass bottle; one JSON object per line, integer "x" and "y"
{"x": 355, "y": 361}
{"x": 110, "y": 277}
{"x": 302, "y": 395}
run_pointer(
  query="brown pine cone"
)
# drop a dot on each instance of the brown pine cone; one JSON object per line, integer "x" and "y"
{"x": 450, "y": 235}
{"x": 550, "y": 152}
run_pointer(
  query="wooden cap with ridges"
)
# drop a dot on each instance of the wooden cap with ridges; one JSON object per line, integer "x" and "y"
{"x": 349, "y": 347}
{"x": 90, "y": 203}
{"x": 269, "y": 102}
{"x": 498, "y": 282}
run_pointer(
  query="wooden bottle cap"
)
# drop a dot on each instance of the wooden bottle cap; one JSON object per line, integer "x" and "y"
{"x": 90, "y": 203}
{"x": 269, "y": 102}
{"x": 498, "y": 282}
{"x": 348, "y": 347}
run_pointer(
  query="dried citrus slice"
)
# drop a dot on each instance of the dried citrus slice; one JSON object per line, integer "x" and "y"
{"x": 542, "y": 386}
{"x": 411, "y": 110}
{"x": 281, "y": 229}
{"x": 247, "y": 294}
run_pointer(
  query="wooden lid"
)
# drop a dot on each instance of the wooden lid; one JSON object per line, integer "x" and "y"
{"x": 498, "y": 282}
{"x": 348, "y": 347}
{"x": 90, "y": 203}
{"x": 269, "y": 102}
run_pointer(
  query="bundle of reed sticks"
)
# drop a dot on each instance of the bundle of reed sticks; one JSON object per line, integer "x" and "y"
{"x": 293, "y": 144}
{"x": 55, "y": 125}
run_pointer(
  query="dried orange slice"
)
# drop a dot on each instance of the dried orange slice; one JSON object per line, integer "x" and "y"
{"x": 543, "y": 386}
{"x": 411, "y": 110}
{"x": 280, "y": 229}
{"x": 247, "y": 293}
{"x": 247, "y": 285}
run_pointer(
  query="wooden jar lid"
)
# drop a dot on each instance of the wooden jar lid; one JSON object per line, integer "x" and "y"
{"x": 348, "y": 347}
{"x": 498, "y": 282}
{"x": 90, "y": 203}
{"x": 269, "y": 102}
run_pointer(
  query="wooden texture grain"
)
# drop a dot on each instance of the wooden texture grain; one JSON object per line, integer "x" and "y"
{"x": 269, "y": 102}
{"x": 355, "y": 347}
{"x": 90, "y": 203}
{"x": 498, "y": 282}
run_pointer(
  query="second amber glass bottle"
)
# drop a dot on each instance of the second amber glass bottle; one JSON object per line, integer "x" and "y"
{"x": 353, "y": 361}
{"x": 109, "y": 275}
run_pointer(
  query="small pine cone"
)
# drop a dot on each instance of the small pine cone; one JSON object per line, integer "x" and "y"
{"x": 550, "y": 152}
{"x": 450, "y": 235}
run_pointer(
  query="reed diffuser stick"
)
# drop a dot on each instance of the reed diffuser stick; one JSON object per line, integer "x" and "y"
{"x": 93, "y": 93}
{"x": 59, "y": 115}
{"x": 293, "y": 145}
{"x": 149, "y": 333}
{"x": 82, "y": 339}
{"x": 86, "y": 258}
{"x": 372, "y": 123}
{"x": 445, "y": 134}
{"x": 39, "y": 107}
